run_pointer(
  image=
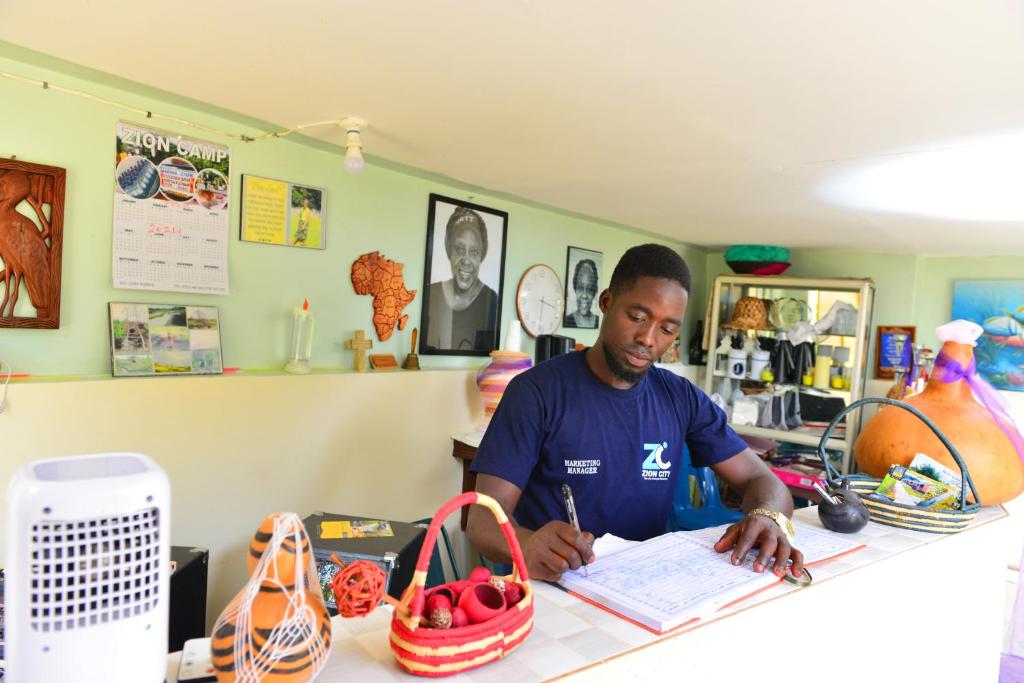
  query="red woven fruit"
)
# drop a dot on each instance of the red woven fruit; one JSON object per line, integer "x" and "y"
{"x": 438, "y": 601}
{"x": 513, "y": 593}
{"x": 457, "y": 587}
{"x": 446, "y": 591}
{"x": 459, "y": 618}
{"x": 479, "y": 575}
{"x": 358, "y": 587}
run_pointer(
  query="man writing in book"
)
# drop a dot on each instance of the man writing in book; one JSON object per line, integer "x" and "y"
{"x": 612, "y": 426}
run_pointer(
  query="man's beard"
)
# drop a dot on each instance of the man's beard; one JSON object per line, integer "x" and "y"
{"x": 626, "y": 374}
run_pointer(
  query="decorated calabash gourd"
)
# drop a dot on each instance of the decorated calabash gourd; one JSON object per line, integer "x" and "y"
{"x": 986, "y": 443}
{"x": 277, "y": 629}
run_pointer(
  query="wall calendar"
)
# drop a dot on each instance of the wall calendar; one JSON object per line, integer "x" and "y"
{"x": 170, "y": 212}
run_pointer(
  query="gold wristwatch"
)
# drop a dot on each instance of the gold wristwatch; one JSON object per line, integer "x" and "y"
{"x": 782, "y": 520}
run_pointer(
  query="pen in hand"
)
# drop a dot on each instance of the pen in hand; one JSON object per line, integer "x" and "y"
{"x": 570, "y": 509}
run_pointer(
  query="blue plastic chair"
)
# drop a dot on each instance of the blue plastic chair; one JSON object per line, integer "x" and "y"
{"x": 686, "y": 516}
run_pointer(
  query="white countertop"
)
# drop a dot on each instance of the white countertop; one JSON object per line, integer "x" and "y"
{"x": 864, "y": 599}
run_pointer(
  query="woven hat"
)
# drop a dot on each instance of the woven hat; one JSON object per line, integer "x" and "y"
{"x": 749, "y": 313}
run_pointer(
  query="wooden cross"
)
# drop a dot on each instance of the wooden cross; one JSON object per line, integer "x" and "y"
{"x": 360, "y": 344}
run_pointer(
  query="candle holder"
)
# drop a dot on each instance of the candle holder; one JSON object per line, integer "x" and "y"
{"x": 302, "y": 340}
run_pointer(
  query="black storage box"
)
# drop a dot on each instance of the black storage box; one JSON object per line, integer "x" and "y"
{"x": 396, "y": 555}
{"x": 550, "y": 345}
{"x": 188, "y": 595}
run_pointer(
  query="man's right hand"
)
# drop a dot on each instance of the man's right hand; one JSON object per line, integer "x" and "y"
{"x": 555, "y": 548}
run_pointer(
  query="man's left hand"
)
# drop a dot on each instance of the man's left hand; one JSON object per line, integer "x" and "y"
{"x": 760, "y": 531}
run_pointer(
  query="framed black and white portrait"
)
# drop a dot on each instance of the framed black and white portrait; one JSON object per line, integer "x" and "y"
{"x": 582, "y": 285}
{"x": 463, "y": 278}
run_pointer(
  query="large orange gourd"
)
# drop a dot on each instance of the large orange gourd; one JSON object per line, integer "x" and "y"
{"x": 894, "y": 436}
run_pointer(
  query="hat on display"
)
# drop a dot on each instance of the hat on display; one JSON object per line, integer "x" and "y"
{"x": 749, "y": 313}
{"x": 757, "y": 259}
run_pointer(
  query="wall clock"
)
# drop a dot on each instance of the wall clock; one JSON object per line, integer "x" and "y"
{"x": 539, "y": 300}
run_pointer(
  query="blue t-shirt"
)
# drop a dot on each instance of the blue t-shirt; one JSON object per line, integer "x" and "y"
{"x": 619, "y": 449}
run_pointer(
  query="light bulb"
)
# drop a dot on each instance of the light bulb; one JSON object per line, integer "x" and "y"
{"x": 354, "y": 161}
{"x": 353, "y": 148}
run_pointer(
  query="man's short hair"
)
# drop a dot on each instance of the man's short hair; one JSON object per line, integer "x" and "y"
{"x": 649, "y": 260}
{"x": 465, "y": 219}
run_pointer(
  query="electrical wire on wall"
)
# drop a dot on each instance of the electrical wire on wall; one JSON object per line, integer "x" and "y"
{"x": 46, "y": 85}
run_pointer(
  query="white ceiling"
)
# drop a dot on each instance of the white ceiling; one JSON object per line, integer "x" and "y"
{"x": 711, "y": 122}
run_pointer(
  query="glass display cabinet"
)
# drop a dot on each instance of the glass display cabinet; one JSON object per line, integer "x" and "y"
{"x": 785, "y": 355}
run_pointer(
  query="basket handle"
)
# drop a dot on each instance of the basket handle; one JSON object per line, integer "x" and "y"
{"x": 413, "y": 597}
{"x": 965, "y": 475}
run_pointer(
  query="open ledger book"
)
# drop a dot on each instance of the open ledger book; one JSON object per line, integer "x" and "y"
{"x": 676, "y": 578}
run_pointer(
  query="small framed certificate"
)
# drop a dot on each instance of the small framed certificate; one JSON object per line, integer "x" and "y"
{"x": 890, "y": 353}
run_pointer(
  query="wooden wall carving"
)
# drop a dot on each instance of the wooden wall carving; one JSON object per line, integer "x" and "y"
{"x": 31, "y": 245}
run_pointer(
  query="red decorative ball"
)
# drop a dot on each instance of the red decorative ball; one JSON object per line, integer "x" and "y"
{"x": 358, "y": 588}
{"x": 513, "y": 593}
{"x": 446, "y": 590}
{"x": 480, "y": 575}
{"x": 457, "y": 588}
{"x": 438, "y": 601}
{"x": 459, "y": 618}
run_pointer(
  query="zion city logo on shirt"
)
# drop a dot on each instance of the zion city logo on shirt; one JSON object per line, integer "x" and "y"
{"x": 654, "y": 467}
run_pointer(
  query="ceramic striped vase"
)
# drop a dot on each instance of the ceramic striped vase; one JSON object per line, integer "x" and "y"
{"x": 493, "y": 378}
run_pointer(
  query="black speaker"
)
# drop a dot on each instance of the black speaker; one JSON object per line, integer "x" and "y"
{"x": 551, "y": 345}
{"x": 188, "y": 595}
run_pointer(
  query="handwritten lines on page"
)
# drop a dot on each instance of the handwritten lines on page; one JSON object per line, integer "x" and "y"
{"x": 672, "y": 579}
{"x": 665, "y": 582}
{"x": 815, "y": 544}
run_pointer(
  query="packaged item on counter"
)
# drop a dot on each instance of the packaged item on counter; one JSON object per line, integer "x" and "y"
{"x": 903, "y": 485}
{"x": 929, "y": 467}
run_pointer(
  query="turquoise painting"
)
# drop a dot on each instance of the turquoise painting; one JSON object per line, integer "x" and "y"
{"x": 998, "y": 306}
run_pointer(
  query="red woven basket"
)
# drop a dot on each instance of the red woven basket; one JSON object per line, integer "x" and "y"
{"x": 441, "y": 652}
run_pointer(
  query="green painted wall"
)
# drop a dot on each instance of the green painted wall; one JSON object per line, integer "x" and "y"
{"x": 383, "y": 209}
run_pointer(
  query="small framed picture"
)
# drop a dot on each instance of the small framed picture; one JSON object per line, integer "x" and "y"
{"x": 283, "y": 213}
{"x": 164, "y": 339}
{"x": 463, "y": 278}
{"x": 582, "y": 285}
{"x": 892, "y": 350}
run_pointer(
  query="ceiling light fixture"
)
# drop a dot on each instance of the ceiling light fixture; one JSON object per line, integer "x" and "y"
{"x": 354, "y": 162}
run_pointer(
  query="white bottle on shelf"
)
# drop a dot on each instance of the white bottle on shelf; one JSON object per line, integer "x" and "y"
{"x": 758, "y": 362}
{"x": 737, "y": 363}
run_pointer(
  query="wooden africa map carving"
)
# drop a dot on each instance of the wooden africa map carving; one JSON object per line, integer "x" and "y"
{"x": 381, "y": 278}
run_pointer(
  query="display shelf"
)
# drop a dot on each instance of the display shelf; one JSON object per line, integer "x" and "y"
{"x": 845, "y": 394}
{"x": 793, "y": 436}
{"x": 815, "y": 297}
